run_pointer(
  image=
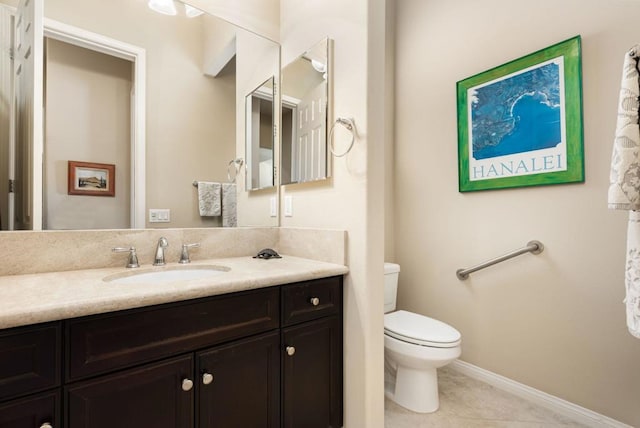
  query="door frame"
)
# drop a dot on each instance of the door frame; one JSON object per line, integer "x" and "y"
{"x": 137, "y": 55}
{"x": 9, "y": 13}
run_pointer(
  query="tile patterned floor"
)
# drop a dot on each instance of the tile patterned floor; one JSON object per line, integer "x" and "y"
{"x": 470, "y": 403}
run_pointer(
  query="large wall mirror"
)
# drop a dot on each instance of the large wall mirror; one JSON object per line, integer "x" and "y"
{"x": 304, "y": 120}
{"x": 196, "y": 71}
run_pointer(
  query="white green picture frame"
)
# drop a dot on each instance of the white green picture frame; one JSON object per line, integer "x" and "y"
{"x": 520, "y": 124}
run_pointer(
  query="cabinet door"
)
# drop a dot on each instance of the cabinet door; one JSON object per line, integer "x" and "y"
{"x": 155, "y": 396}
{"x": 240, "y": 384}
{"x": 312, "y": 374}
{"x": 29, "y": 360}
{"x": 32, "y": 412}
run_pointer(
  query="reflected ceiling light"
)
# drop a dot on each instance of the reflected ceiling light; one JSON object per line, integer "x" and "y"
{"x": 320, "y": 67}
{"x": 165, "y": 7}
{"x": 191, "y": 11}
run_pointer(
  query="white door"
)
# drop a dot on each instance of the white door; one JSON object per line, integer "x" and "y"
{"x": 310, "y": 152}
{"x": 28, "y": 79}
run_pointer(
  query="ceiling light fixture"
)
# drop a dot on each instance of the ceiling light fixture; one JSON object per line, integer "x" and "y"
{"x": 191, "y": 11}
{"x": 319, "y": 66}
{"x": 166, "y": 7}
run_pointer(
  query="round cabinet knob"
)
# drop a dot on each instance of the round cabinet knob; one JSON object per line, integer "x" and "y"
{"x": 46, "y": 425}
{"x": 187, "y": 384}
{"x": 291, "y": 350}
{"x": 207, "y": 378}
{"x": 314, "y": 301}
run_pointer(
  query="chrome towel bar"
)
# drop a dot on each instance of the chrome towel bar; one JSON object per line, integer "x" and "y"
{"x": 534, "y": 247}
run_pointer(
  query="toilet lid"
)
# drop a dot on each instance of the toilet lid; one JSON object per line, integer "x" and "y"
{"x": 421, "y": 330}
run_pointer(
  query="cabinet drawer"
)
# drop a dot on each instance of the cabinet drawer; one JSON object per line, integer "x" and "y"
{"x": 29, "y": 360}
{"x": 102, "y": 343}
{"x": 309, "y": 300}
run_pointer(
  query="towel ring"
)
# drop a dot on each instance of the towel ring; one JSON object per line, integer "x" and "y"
{"x": 237, "y": 163}
{"x": 351, "y": 126}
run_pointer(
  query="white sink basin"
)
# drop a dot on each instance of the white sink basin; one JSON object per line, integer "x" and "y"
{"x": 166, "y": 274}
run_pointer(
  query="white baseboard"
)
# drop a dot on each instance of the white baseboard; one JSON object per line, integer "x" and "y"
{"x": 558, "y": 405}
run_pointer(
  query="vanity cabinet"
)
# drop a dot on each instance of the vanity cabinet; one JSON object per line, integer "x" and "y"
{"x": 38, "y": 411}
{"x": 312, "y": 360}
{"x": 30, "y": 364}
{"x": 269, "y": 358}
{"x": 29, "y": 360}
{"x": 239, "y": 384}
{"x": 150, "y": 396}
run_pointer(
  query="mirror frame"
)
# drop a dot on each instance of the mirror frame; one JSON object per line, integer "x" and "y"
{"x": 288, "y": 102}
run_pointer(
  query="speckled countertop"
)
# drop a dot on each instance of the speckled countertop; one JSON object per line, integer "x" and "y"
{"x": 36, "y": 298}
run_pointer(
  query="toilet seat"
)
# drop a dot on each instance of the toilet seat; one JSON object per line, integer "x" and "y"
{"x": 420, "y": 330}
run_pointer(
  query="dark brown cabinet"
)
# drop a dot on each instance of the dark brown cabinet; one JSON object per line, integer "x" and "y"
{"x": 312, "y": 359}
{"x": 29, "y": 364}
{"x": 103, "y": 343}
{"x": 39, "y": 411}
{"x": 239, "y": 384}
{"x": 268, "y": 358}
{"x": 312, "y": 373}
{"x": 29, "y": 360}
{"x": 157, "y": 395}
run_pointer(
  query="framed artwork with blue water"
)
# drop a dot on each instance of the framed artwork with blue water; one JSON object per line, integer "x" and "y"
{"x": 520, "y": 124}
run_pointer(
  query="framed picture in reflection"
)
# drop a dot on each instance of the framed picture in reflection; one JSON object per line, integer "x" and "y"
{"x": 520, "y": 124}
{"x": 92, "y": 179}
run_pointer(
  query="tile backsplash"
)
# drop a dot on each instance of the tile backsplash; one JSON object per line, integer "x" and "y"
{"x": 25, "y": 252}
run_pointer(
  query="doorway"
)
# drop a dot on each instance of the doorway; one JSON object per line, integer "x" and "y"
{"x": 87, "y": 119}
{"x": 18, "y": 118}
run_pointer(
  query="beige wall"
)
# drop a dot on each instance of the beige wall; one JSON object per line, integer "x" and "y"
{"x": 554, "y": 321}
{"x": 87, "y": 101}
{"x": 352, "y": 198}
{"x": 389, "y": 136}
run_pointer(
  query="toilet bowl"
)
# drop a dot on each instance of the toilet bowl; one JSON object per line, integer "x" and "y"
{"x": 415, "y": 346}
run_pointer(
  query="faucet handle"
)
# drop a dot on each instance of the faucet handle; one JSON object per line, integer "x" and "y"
{"x": 132, "y": 261}
{"x": 184, "y": 256}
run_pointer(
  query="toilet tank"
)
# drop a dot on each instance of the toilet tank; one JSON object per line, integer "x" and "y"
{"x": 391, "y": 272}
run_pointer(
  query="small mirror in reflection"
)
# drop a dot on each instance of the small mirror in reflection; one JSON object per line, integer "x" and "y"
{"x": 305, "y": 95}
{"x": 260, "y": 136}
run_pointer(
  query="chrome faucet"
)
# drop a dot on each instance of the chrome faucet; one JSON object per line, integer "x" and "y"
{"x": 184, "y": 256}
{"x": 132, "y": 261}
{"x": 159, "y": 258}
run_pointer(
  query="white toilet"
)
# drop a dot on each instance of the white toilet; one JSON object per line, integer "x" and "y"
{"x": 415, "y": 346}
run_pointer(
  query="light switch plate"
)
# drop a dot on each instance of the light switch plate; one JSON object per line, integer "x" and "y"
{"x": 159, "y": 215}
{"x": 288, "y": 206}
{"x": 273, "y": 207}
